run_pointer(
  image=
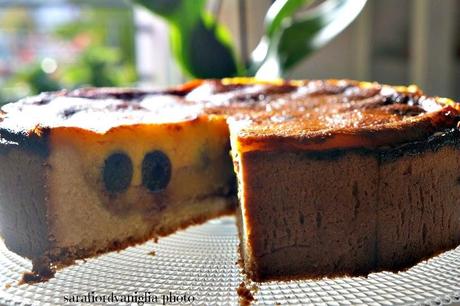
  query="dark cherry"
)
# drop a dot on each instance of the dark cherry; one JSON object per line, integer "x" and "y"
{"x": 117, "y": 172}
{"x": 156, "y": 171}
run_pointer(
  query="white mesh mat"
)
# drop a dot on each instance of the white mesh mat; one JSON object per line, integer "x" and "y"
{"x": 200, "y": 263}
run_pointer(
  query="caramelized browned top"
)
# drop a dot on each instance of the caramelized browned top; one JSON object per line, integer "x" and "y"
{"x": 312, "y": 115}
{"x": 321, "y": 115}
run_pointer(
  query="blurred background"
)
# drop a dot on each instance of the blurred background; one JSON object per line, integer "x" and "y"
{"x": 53, "y": 44}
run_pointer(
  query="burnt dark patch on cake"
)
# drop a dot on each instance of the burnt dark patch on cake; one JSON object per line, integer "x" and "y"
{"x": 398, "y": 103}
{"x": 36, "y": 277}
{"x": 405, "y": 110}
{"x": 156, "y": 171}
{"x": 117, "y": 172}
{"x": 44, "y": 98}
{"x": 35, "y": 141}
{"x": 128, "y": 106}
{"x": 405, "y": 104}
{"x": 434, "y": 142}
{"x": 448, "y": 137}
{"x": 402, "y": 98}
{"x": 177, "y": 92}
{"x": 110, "y": 93}
{"x": 69, "y": 112}
{"x": 213, "y": 87}
{"x": 42, "y": 270}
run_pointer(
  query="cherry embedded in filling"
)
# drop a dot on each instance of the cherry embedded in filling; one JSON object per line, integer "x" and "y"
{"x": 117, "y": 172}
{"x": 156, "y": 171}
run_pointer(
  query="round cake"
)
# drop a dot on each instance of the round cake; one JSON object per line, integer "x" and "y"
{"x": 342, "y": 177}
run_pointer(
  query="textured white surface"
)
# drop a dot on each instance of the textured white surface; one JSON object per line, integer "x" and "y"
{"x": 201, "y": 262}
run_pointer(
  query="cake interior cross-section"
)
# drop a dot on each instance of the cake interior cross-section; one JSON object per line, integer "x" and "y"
{"x": 342, "y": 177}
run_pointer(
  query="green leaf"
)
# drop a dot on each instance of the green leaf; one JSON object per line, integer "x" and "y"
{"x": 202, "y": 47}
{"x": 182, "y": 13}
{"x": 208, "y": 52}
{"x": 278, "y": 11}
{"x": 297, "y": 37}
{"x": 165, "y": 8}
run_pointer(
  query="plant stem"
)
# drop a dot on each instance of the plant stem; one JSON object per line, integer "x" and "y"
{"x": 242, "y": 14}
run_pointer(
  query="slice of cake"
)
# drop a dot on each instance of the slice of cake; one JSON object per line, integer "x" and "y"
{"x": 340, "y": 178}
{"x": 91, "y": 171}
{"x": 334, "y": 177}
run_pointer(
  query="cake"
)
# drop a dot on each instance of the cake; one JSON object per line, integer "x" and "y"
{"x": 90, "y": 171}
{"x": 341, "y": 177}
{"x": 344, "y": 184}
